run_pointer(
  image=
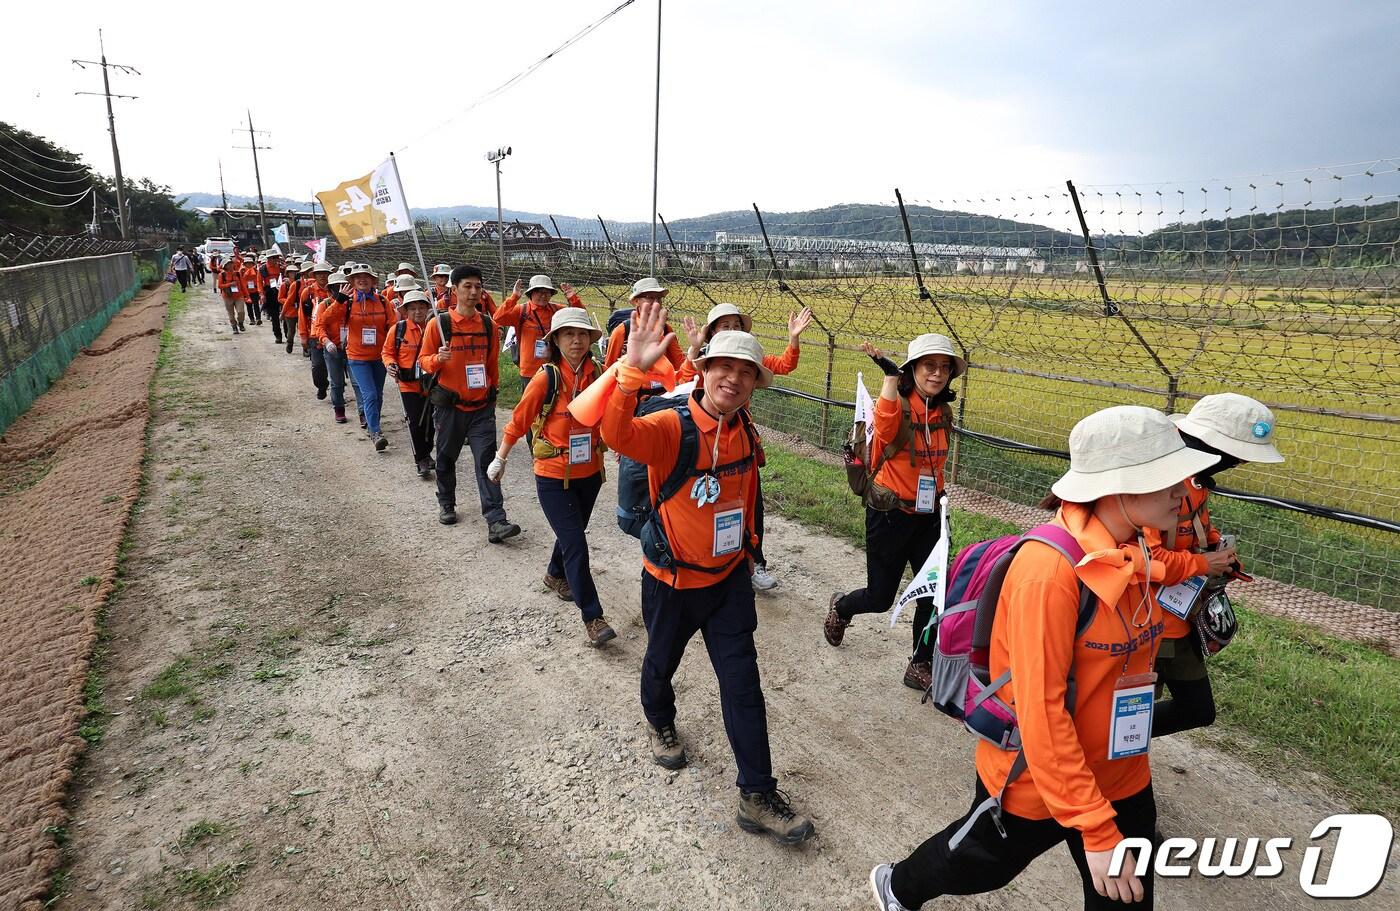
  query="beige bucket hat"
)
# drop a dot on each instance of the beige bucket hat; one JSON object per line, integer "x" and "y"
{"x": 933, "y": 343}
{"x": 414, "y": 297}
{"x": 363, "y": 269}
{"x": 289, "y": 268}
{"x": 443, "y": 269}
{"x": 720, "y": 311}
{"x": 647, "y": 286}
{"x": 322, "y": 267}
{"x": 1126, "y": 449}
{"x": 337, "y": 278}
{"x": 740, "y": 346}
{"x": 406, "y": 267}
{"x": 575, "y": 318}
{"x": 405, "y": 283}
{"x": 538, "y": 282}
{"x": 1235, "y": 424}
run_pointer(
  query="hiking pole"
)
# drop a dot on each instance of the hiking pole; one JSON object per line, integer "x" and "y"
{"x": 924, "y": 294}
{"x": 685, "y": 279}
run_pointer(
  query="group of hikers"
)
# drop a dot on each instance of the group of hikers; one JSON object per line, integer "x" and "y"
{"x": 1092, "y": 630}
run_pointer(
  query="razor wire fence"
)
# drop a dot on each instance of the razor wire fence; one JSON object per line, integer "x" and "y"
{"x": 50, "y": 310}
{"x": 1067, "y": 300}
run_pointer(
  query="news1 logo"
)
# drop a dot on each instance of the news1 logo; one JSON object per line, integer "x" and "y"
{"x": 1358, "y": 861}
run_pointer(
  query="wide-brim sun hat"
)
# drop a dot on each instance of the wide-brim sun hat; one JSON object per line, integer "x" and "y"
{"x": 322, "y": 267}
{"x": 406, "y": 283}
{"x": 414, "y": 297}
{"x": 720, "y": 311}
{"x": 933, "y": 343}
{"x": 1126, "y": 449}
{"x": 363, "y": 269}
{"x": 291, "y": 267}
{"x": 338, "y": 278}
{"x": 647, "y": 286}
{"x": 574, "y": 318}
{"x": 442, "y": 269}
{"x": 1235, "y": 424}
{"x": 741, "y": 346}
{"x": 406, "y": 267}
{"x": 540, "y": 282}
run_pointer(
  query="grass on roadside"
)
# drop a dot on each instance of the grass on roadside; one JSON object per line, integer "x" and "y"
{"x": 1289, "y": 697}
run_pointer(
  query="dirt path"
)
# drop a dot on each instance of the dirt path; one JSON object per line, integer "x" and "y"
{"x": 364, "y": 709}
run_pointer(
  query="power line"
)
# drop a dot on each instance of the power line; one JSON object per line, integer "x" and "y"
{"x": 112, "y": 122}
{"x": 577, "y": 36}
{"x": 47, "y": 205}
{"x": 21, "y": 148}
{"x": 83, "y": 175}
{"x": 20, "y": 142}
{"x": 41, "y": 189}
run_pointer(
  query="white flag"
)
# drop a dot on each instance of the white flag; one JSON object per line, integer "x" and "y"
{"x": 930, "y": 581}
{"x": 280, "y": 233}
{"x": 865, "y": 408}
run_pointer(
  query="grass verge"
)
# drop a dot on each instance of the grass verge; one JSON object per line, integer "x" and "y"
{"x": 1289, "y": 697}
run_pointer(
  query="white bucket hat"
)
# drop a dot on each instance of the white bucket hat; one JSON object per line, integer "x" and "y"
{"x": 414, "y": 297}
{"x": 362, "y": 269}
{"x": 574, "y": 318}
{"x": 337, "y": 278}
{"x": 647, "y": 285}
{"x": 442, "y": 269}
{"x": 719, "y": 311}
{"x": 1126, "y": 449}
{"x": 1237, "y": 425}
{"x": 933, "y": 343}
{"x": 406, "y": 267}
{"x": 291, "y": 267}
{"x": 540, "y": 281}
{"x": 740, "y": 346}
{"x": 406, "y": 283}
{"x": 322, "y": 267}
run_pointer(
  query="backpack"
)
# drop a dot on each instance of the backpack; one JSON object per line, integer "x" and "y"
{"x": 962, "y": 686}
{"x": 400, "y": 330}
{"x": 439, "y": 394}
{"x": 617, "y": 318}
{"x": 861, "y": 470}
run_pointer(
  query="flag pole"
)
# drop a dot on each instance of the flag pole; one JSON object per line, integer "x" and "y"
{"x": 422, "y": 264}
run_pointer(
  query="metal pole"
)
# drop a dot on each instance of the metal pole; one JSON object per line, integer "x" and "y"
{"x": 656, "y": 139}
{"x": 422, "y": 264}
{"x": 257, "y": 175}
{"x": 223, "y": 196}
{"x": 116, "y": 154}
{"x": 919, "y": 275}
{"x": 500, "y": 229}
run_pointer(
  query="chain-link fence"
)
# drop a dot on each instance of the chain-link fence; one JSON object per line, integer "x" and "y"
{"x": 1283, "y": 288}
{"x": 50, "y": 310}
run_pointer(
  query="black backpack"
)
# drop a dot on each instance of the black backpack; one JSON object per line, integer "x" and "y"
{"x": 617, "y": 318}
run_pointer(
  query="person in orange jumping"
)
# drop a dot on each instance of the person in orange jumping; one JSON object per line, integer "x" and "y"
{"x": 251, "y": 279}
{"x": 696, "y": 549}
{"x": 643, "y": 289}
{"x": 360, "y": 320}
{"x": 230, "y": 287}
{"x": 1238, "y": 429}
{"x": 568, "y": 459}
{"x": 440, "y": 294}
{"x": 531, "y": 319}
{"x": 287, "y": 295}
{"x": 402, "y": 347}
{"x": 461, "y": 352}
{"x": 913, "y": 424}
{"x": 1081, "y": 776}
{"x": 729, "y": 318}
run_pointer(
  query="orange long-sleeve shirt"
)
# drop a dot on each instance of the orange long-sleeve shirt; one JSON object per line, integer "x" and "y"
{"x": 271, "y": 276}
{"x": 288, "y": 295}
{"x": 617, "y": 347}
{"x": 252, "y": 283}
{"x": 1187, "y": 558}
{"x": 230, "y": 281}
{"x": 1068, "y": 775}
{"x": 559, "y": 425}
{"x": 359, "y": 324}
{"x": 473, "y": 350}
{"x": 780, "y": 364}
{"x": 928, "y": 447}
{"x": 531, "y": 324}
{"x": 405, "y": 354}
{"x": 307, "y": 299}
{"x": 655, "y": 439}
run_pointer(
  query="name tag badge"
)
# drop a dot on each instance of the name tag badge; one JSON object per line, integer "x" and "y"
{"x": 235, "y": 289}
{"x": 476, "y": 376}
{"x": 580, "y": 448}
{"x": 1180, "y": 600}
{"x": 729, "y": 531}
{"x": 927, "y": 495}
{"x": 274, "y": 282}
{"x": 344, "y": 335}
{"x": 1130, "y": 723}
{"x": 541, "y": 349}
{"x": 367, "y": 335}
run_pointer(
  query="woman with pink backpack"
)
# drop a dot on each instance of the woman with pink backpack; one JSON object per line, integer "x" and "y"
{"x": 1074, "y": 626}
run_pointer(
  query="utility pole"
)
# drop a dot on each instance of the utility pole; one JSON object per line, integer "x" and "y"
{"x": 496, "y": 157}
{"x": 122, "y": 219}
{"x": 223, "y": 195}
{"x": 257, "y": 174}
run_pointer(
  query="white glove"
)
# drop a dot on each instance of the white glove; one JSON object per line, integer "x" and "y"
{"x": 496, "y": 469}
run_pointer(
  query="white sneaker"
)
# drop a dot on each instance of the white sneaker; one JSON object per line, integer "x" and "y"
{"x": 880, "y": 886}
{"x": 762, "y": 581}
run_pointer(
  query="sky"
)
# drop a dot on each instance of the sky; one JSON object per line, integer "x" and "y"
{"x": 794, "y": 105}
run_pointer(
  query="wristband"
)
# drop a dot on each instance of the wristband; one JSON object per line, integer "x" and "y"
{"x": 888, "y": 366}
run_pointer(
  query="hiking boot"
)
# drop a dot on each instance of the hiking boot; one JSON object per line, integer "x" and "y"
{"x": 834, "y": 628}
{"x": 340, "y": 416}
{"x": 289, "y": 346}
{"x": 425, "y": 468}
{"x": 447, "y": 515}
{"x": 666, "y": 747}
{"x": 241, "y": 327}
{"x": 234, "y": 327}
{"x": 762, "y": 581}
{"x": 880, "y": 885}
{"x": 769, "y": 813}
{"x": 560, "y": 586}
{"x": 320, "y": 393}
{"x": 599, "y": 632}
{"x": 919, "y": 675}
{"x": 364, "y": 425}
{"x": 381, "y": 442}
{"x": 499, "y": 531}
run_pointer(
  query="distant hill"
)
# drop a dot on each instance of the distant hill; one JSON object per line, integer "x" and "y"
{"x": 237, "y": 201}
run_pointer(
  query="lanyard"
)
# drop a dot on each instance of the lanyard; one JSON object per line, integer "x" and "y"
{"x": 1145, "y": 603}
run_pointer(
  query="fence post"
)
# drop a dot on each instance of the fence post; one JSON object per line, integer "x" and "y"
{"x": 826, "y": 404}
{"x": 955, "y": 441}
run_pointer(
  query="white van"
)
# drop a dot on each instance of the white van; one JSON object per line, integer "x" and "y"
{"x": 223, "y": 246}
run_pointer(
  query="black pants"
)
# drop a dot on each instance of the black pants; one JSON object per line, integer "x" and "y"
{"x": 420, "y": 424}
{"x": 477, "y": 429}
{"x": 985, "y": 861}
{"x": 199, "y": 273}
{"x": 894, "y": 540}
{"x": 183, "y": 277}
{"x": 320, "y": 376}
{"x": 725, "y": 616}
{"x": 251, "y": 308}
{"x": 1192, "y": 706}
{"x": 289, "y": 331}
{"x": 568, "y": 511}
{"x": 273, "y": 311}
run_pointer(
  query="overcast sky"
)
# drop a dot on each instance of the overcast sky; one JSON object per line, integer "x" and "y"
{"x": 793, "y": 103}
